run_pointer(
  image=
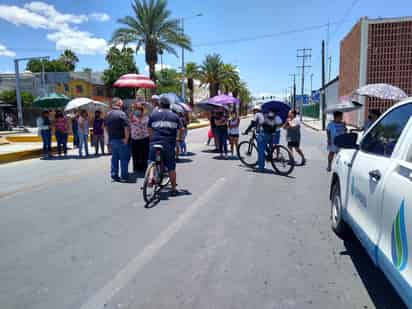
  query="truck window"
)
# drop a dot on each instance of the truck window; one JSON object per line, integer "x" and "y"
{"x": 409, "y": 155}
{"x": 382, "y": 139}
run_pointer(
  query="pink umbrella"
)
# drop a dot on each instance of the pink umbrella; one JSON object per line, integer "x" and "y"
{"x": 134, "y": 76}
{"x": 134, "y": 83}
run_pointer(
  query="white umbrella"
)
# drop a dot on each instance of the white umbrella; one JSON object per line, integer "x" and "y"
{"x": 382, "y": 91}
{"x": 86, "y": 104}
{"x": 346, "y": 104}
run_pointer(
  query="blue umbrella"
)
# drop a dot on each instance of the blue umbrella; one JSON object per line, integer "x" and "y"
{"x": 175, "y": 102}
{"x": 281, "y": 108}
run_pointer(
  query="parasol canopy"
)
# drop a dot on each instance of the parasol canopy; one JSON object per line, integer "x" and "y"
{"x": 134, "y": 76}
{"x": 224, "y": 99}
{"x": 85, "y": 103}
{"x": 281, "y": 108}
{"x": 382, "y": 91}
{"x": 134, "y": 83}
{"x": 52, "y": 100}
{"x": 209, "y": 106}
{"x": 346, "y": 104}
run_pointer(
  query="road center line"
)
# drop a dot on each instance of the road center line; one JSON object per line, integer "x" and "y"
{"x": 125, "y": 275}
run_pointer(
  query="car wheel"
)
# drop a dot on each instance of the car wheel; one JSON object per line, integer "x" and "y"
{"x": 339, "y": 226}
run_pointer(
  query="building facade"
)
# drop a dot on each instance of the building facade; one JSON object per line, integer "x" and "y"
{"x": 376, "y": 51}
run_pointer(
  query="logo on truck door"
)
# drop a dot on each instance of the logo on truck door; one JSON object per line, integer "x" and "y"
{"x": 399, "y": 240}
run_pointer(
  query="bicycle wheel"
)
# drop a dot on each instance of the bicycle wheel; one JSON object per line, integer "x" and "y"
{"x": 282, "y": 160}
{"x": 248, "y": 153}
{"x": 150, "y": 186}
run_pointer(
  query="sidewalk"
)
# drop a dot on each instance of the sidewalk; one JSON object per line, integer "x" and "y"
{"x": 316, "y": 124}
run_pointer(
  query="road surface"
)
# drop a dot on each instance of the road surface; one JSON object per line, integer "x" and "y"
{"x": 70, "y": 238}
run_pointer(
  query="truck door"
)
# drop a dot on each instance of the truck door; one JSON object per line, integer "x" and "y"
{"x": 369, "y": 168}
{"x": 395, "y": 242}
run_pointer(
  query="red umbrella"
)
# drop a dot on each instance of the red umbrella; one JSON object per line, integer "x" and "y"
{"x": 133, "y": 83}
{"x": 134, "y": 76}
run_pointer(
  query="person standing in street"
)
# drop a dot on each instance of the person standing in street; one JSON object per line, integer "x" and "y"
{"x": 335, "y": 128}
{"x": 213, "y": 128}
{"x": 61, "y": 131}
{"x": 44, "y": 127}
{"x": 234, "y": 123}
{"x": 293, "y": 136}
{"x": 83, "y": 133}
{"x": 9, "y": 122}
{"x": 139, "y": 138}
{"x": 222, "y": 132}
{"x": 75, "y": 127}
{"x": 98, "y": 132}
{"x": 118, "y": 129}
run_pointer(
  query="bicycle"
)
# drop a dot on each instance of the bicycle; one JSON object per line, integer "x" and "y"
{"x": 279, "y": 156}
{"x": 156, "y": 178}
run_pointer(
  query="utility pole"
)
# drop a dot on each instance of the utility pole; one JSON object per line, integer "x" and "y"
{"x": 311, "y": 84}
{"x": 323, "y": 105}
{"x": 18, "y": 90}
{"x": 294, "y": 90}
{"x": 304, "y": 54}
{"x": 183, "y": 53}
{"x": 330, "y": 68}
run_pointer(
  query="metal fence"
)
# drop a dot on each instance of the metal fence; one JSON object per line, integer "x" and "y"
{"x": 311, "y": 110}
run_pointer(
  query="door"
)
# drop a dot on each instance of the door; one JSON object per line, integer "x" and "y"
{"x": 371, "y": 165}
{"x": 395, "y": 243}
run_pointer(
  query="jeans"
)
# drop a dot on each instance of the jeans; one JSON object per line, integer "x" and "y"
{"x": 182, "y": 143}
{"x": 98, "y": 140}
{"x": 263, "y": 139}
{"x": 61, "y": 142}
{"x": 83, "y": 139}
{"x": 46, "y": 137}
{"x": 120, "y": 152}
{"x": 75, "y": 138}
{"x": 222, "y": 138}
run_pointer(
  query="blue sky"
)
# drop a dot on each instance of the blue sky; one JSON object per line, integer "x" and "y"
{"x": 44, "y": 28}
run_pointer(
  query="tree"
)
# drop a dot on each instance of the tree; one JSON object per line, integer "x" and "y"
{"x": 168, "y": 80}
{"x": 9, "y": 96}
{"x": 230, "y": 78}
{"x": 192, "y": 73}
{"x": 211, "y": 73}
{"x": 151, "y": 26}
{"x": 120, "y": 62}
{"x": 69, "y": 59}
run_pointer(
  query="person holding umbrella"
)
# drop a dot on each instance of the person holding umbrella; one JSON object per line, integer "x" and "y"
{"x": 222, "y": 131}
{"x": 292, "y": 127}
{"x": 83, "y": 132}
{"x": 140, "y": 141}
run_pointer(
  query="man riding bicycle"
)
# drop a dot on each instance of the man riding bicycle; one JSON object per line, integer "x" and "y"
{"x": 268, "y": 132}
{"x": 164, "y": 128}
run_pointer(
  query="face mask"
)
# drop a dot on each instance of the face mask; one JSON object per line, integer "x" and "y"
{"x": 137, "y": 113}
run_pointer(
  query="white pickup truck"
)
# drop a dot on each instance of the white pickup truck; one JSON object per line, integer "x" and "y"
{"x": 371, "y": 193}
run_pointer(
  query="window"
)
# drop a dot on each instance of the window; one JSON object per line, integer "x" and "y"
{"x": 382, "y": 139}
{"x": 409, "y": 155}
{"x": 79, "y": 89}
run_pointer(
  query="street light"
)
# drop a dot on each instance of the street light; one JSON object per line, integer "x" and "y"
{"x": 183, "y": 52}
{"x": 18, "y": 95}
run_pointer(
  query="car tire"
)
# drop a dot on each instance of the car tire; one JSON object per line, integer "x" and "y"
{"x": 339, "y": 226}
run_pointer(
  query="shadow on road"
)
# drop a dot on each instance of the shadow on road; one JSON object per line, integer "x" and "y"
{"x": 184, "y": 160}
{"x": 164, "y": 195}
{"x": 379, "y": 288}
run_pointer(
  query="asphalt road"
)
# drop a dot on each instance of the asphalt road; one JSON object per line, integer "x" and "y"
{"x": 70, "y": 238}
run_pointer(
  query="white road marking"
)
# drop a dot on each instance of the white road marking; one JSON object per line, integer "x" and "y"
{"x": 125, "y": 275}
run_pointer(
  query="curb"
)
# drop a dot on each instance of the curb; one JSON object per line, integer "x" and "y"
{"x": 311, "y": 127}
{"x": 22, "y": 155}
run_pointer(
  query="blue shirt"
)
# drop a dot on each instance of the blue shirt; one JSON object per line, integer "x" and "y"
{"x": 164, "y": 124}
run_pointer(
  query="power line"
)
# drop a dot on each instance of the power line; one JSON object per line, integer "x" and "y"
{"x": 346, "y": 15}
{"x": 264, "y": 36}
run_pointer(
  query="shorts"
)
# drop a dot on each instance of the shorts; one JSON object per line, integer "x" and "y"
{"x": 169, "y": 155}
{"x": 294, "y": 144}
{"x": 233, "y": 135}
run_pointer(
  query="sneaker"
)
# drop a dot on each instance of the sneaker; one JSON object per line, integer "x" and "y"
{"x": 116, "y": 178}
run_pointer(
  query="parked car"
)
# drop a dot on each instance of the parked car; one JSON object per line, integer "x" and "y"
{"x": 371, "y": 193}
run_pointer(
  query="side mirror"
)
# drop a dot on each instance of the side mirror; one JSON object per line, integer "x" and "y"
{"x": 347, "y": 141}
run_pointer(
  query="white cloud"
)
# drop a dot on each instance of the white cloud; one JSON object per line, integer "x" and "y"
{"x": 100, "y": 16}
{"x": 45, "y": 16}
{"x": 159, "y": 67}
{"x": 6, "y": 52}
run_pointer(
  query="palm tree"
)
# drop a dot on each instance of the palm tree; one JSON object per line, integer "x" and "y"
{"x": 211, "y": 73}
{"x": 230, "y": 78}
{"x": 192, "y": 73}
{"x": 69, "y": 58}
{"x": 243, "y": 94}
{"x": 152, "y": 27}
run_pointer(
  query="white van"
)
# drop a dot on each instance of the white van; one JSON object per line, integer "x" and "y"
{"x": 371, "y": 193}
